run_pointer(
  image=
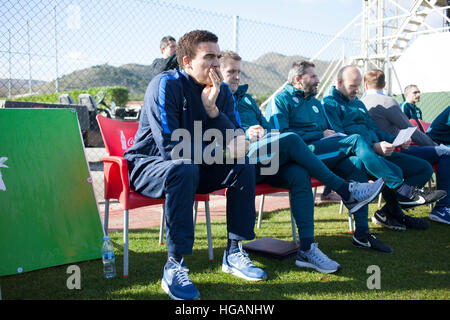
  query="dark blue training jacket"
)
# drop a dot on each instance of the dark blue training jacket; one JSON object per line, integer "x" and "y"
{"x": 172, "y": 101}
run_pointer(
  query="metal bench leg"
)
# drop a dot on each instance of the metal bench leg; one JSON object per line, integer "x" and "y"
{"x": 106, "y": 217}
{"x": 430, "y": 186}
{"x": 195, "y": 212}
{"x": 125, "y": 244}
{"x": 294, "y": 229}
{"x": 314, "y": 195}
{"x": 208, "y": 231}
{"x": 341, "y": 207}
{"x": 350, "y": 223}
{"x": 161, "y": 225}
{"x": 380, "y": 197}
{"x": 261, "y": 207}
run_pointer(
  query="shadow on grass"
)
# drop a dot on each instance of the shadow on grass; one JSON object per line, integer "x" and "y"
{"x": 418, "y": 268}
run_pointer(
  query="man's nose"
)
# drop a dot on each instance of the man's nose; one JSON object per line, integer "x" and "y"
{"x": 215, "y": 62}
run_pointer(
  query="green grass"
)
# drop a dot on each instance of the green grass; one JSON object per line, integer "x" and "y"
{"x": 419, "y": 268}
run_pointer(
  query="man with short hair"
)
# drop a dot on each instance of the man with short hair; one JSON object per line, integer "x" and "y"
{"x": 168, "y": 61}
{"x": 168, "y": 46}
{"x": 385, "y": 111}
{"x": 349, "y": 115}
{"x": 296, "y": 166}
{"x": 409, "y": 107}
{"x": 191, "y": 101}
{"x": 387, "y": 115}
{"x": 295, "y": 110}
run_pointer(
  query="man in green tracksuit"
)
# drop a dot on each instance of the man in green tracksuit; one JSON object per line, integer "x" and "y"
{"x": 295, "y": 109}
{"x": 349, "y": 115}
{"x": 296, "y": 166}
{"x": 409, "y": 108}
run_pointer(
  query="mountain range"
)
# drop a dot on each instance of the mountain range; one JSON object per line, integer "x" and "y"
{"x": 264, "y": 75}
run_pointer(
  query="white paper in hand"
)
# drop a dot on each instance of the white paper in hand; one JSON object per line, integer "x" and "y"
{"x": 403, "y": 136}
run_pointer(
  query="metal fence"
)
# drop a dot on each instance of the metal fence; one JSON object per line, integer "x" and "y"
{"x": 65, "y": 46}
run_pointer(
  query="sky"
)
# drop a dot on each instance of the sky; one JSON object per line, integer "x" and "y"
{"x": 322, "y": 16}
{"x": 45, "y": 39}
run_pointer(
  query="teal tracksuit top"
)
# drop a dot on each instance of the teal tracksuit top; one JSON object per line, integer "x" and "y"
{"x": 249, "y": 112}
{"x": 352, "y": 117}
{"x": 439, "y": 129}
{"x": 290, "y": 111}
{"x": 411, "y": 111}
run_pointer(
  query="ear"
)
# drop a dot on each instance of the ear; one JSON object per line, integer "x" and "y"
{"x": 186, "y": 61}
{"x": 366, "y": 86}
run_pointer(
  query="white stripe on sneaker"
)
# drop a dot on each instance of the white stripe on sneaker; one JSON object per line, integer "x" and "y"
{"x": 363, "y": 244}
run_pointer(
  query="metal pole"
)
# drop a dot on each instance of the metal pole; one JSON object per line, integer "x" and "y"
{"x": 29, "y": 58}
{"x": 387, "y": 72}
{"x": 236, "y": 33}
{"x": 364, "y": 31}
{"x": 9, "y": 63}
{"x": 380, "y": 27}
{"x": 56, "y": 55}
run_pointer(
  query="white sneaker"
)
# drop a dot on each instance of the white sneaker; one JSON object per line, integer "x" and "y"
{"x": 316, "y": 259}
{"x": 362, "y": 194}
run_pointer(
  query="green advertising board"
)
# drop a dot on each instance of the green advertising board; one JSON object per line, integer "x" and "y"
{"x": 48, "y": 212}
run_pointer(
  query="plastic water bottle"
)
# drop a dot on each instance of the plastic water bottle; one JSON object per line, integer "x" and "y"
{"x": 109, "y": 261}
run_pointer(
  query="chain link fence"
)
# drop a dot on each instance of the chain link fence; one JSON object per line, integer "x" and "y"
{"x": 49, "y": 48}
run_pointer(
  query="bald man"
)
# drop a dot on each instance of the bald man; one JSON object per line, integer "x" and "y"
{"x": 296, "y": 110}
{"x": 349, "y": 115}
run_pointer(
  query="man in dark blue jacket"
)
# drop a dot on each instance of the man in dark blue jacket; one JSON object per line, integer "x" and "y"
{"x": 180, "y": 106}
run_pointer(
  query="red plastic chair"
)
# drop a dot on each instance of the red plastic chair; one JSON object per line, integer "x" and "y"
{"x": 117, "y": 137}
{"x": 423, "y": 125}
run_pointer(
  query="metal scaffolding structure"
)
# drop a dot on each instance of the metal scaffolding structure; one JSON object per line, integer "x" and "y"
{"x": 388, "y": 27}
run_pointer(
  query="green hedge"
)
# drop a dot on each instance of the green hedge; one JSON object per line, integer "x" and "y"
{"x": 117, "y": 94}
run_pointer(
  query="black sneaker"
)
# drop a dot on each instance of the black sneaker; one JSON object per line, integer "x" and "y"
{"x": 419, "y": 197}
{"x": 387, "y": 221}
{"x": 370, "y": 241}
{"x": 415, "y": 223}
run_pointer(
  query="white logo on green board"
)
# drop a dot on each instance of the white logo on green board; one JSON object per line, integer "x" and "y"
{"x": 247, "y": 100}
{"x": 2, "y": 165}
{"x": 295, "y": 99}
{"x": 316, "y": 110}
{"x": 311, "y": 147}
{"x": 362, "y": 110}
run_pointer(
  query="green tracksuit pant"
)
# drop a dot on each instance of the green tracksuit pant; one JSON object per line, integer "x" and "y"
{"x": 297, "y": 164}
{"x": 395, "y": 169}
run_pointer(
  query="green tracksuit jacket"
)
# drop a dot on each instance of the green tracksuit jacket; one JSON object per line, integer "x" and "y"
{"x": 290, "y": 111}
{"x": 411, "y": 111}
{"x": 249, "y": 112}
{"x": 351, "y": 117}
{"x": 439, "y": 129}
